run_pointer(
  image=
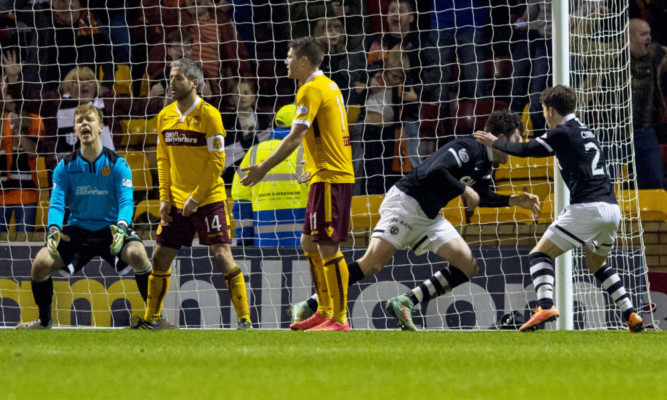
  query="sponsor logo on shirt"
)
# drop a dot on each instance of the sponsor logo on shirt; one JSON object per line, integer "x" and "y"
{"x": 183, "y": 138}
{"x": 463, "y": 155}
{"x": 126, "y": 182}
{"x": 301, "y": 110}
{"x": 88, "y": 190}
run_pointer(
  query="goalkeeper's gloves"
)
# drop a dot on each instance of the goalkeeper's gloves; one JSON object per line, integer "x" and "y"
{"x": 52, "y": 241}
{"x": 118, "y": 233}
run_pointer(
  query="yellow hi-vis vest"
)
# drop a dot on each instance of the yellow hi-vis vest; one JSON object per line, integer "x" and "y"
{"x": 271, "y": 212}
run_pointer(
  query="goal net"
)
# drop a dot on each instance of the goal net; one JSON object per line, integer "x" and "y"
{"x": 414, "y": 75}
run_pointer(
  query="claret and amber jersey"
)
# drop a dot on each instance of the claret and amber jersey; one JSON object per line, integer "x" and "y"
{"x": 328, "y": 151}
{"x": 190, "y": 154}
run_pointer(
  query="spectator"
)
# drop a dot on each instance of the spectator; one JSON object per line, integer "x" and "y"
{"x": 20, "y": 133}
{"x": 242, "y": 124}
{"x": 216, "y": 44}
{"x": 421, "y": 81}
{"x": 79, "y": 87}
{"x": 304, "y": 15}
{"x": 272, "y": 212}
{"x": 342, "y": 63}
{"x": 377, "y": 134}
{"x": 177, "y": 45}
{"x": 457, "y": 29}
{"x": 531, "y": 67}
{"x": 113, "y": 16}
{"x": 648, "y": 106}
{"x": 68, "y": 36}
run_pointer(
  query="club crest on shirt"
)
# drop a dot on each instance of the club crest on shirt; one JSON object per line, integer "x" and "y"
{"x": 106, "y": 170}
{"x": 463, "y": 155}
{"x": 217, "y": 143}
{"x": 196, "y": 120}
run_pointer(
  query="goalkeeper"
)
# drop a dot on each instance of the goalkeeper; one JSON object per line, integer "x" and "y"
{"x": 410, "y": 212}
{"x": 95, "y": 184}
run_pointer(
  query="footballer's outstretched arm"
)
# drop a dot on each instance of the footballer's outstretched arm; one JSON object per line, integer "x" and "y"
{"x": 255, "y": 173}
{"x": 535, "y": 148}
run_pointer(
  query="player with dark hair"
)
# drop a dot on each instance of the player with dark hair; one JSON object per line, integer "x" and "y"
{"x": 191, "y": 157}
{"x": 321, "y": 123}
{"x": 95, "y": 184}
{"x": 410, "y": 214}
{"x": 591, "y": 219}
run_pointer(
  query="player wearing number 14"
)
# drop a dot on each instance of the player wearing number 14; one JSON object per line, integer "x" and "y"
{"x": 591, "y": 219}
{"x": 191, "y": 157}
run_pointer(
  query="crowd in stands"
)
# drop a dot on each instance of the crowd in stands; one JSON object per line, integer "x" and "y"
{"x": 406, "y": 69}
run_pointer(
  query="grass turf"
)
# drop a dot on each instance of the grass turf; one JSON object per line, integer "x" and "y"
{"x": 196, "y": 364}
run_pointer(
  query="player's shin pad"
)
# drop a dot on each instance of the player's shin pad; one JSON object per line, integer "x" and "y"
{"x": 158, "y": 286}
{"x": 237, "y": 291}
{"x": 337, "y": 276}
{"x": 316, "y": 267}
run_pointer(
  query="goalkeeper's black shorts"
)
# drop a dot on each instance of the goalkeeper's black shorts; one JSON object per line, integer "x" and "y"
{"x": 83, "y": 245}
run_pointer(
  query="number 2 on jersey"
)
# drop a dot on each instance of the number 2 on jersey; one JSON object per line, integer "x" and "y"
{"x": 595, "y": 169}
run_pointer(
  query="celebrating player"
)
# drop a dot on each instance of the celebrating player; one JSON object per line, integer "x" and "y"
{"x": 321, "y": 121}
{"x": 591, "y": 219}
{"x": 410, "y": 213}
{"x": 95, "y": 184}
{"x": 191, "y": 157}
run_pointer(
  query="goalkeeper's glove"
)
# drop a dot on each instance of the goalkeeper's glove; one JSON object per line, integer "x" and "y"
{"x": 52, "y": 241}
{"x": 118, "y": 233}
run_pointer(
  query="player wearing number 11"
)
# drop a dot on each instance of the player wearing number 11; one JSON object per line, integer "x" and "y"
{"x": 191, "y": 157}
{"x": 321, "y": 123}
{"x": 591, "y": 219}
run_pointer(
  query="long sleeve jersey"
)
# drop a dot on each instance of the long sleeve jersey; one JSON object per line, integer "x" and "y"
{"x": 580, "y": 159}
{"x": 444, "y": 175}
{"x": 191, "y": 154}
{"x": 98, "y": 193}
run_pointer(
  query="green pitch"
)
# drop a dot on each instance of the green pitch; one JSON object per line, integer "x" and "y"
{"x": 193, "y": 364}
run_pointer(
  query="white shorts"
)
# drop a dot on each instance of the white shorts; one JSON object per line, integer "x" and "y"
{"x": 404, "y": 224}
{"x": 590, "y": 224}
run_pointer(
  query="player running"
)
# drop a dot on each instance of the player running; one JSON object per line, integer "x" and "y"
{"x": 410, "y": 213}
{"x": 591, "y": 219}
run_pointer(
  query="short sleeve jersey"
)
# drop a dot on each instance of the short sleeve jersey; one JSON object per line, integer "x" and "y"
{"x": 191, "y": 154}
{"x": 327, "y": 144}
